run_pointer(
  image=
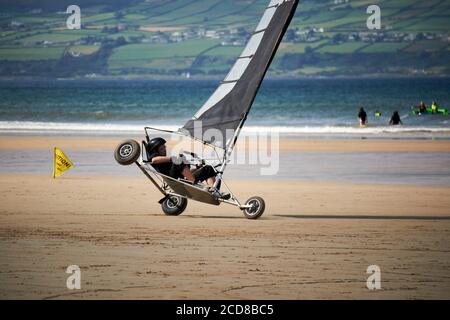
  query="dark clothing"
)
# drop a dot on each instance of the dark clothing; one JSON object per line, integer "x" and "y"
{"x": 363, "y": 116}
{"x": 168, "y": 168}
{"x": 204, "y": 173}
{"x": 176, "y": 170}
{"x": 395, "y": 119}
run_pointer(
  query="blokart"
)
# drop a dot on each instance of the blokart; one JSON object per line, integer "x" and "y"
{"x": 176, "y": 192}
{"x": 225, "y": 113}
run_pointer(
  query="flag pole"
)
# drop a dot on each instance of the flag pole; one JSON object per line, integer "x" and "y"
{"x": 54, "y": 159}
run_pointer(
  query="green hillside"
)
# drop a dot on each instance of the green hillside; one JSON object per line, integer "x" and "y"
{"x": 160, "y": 38}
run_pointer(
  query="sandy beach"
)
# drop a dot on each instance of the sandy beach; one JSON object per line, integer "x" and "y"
{"x": 315, "y": 240}
{"x": 286, "y": 145}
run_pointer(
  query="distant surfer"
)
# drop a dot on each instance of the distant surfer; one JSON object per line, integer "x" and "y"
{"x": 362, "y": 115}
{"x": 422, "y": 107}
{"x": 395, "y": 119}
{"x": 434, "y": 107}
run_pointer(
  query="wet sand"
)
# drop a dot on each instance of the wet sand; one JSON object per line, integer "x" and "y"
{"x": 286, "y": 144}
{"x": 315, "y": 240}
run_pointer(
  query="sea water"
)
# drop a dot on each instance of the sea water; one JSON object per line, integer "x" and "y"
{"x": 305, "y": 107}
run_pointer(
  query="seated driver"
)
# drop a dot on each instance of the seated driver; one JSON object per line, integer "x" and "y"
{"x": 157, "y": 155}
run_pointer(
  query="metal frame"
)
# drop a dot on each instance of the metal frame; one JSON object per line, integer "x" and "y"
{"x": 154, "y": 175}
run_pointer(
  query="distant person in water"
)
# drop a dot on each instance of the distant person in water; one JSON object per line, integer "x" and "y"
{"x": 422, "y": 107}
{"x": 362, "y": 115}
{"x": 395, "y": 119}
{"x": 434, "y": 107}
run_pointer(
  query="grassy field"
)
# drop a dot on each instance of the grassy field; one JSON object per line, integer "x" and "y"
{"x": 30, "y": 54}
{"x": 154, "y": 64}
{"x": 344, "y": 48}
{"x": 196, "y": 9}
{"x": 134, "y": 17}
{"x": 225, "y": 51}
{"x": 423, "y": 45}
{"x": 86, "y": 50}
{"x": 52, "y": 37}
{"x": 299, "y": 47}
{"x": 98, "y": 17}
{"x": 27, "y": 43}
{"x": 358, "y": 17}
{"x": 190, "y": 48}
{"x": 384, "y": 47}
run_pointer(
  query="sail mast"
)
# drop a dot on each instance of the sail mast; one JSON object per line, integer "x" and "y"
{"x": 227, "y": 108}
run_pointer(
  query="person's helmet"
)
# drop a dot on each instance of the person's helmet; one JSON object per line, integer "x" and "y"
{"x": 155, "y": 143}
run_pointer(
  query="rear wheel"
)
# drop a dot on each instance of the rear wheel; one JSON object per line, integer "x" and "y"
{"x": 256, "y": 209}
{"x": 174, "y": 205}
{"x": 127, "y": 152}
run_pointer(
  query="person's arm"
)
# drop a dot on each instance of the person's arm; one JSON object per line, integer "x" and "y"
{"x": 160, "y": 159}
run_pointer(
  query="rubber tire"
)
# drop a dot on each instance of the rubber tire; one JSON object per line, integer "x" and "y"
{"x": 249, "y": 213}
{"x": 171, "y": 209}
{"x": 127, "y": 152}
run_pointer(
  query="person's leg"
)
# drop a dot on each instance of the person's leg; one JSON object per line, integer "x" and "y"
{"x": 206, "y": 173}
{"x": 210, "y": 181}
{"x": 181, "y": 171}
{"x": 188, "y": 174}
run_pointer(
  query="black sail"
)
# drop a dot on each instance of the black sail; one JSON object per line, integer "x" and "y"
{"x": 227, "y": 108}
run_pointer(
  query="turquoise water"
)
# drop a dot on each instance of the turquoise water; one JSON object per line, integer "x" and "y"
{"x": 307, "y": 106}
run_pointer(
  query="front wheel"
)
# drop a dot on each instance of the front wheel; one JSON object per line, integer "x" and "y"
{"x": 127, "y": 152}
{"x": 174, "y": 205}
{"x": 256, "y": 209}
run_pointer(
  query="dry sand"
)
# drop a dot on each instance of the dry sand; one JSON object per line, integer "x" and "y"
{"x": 315, "y": 240}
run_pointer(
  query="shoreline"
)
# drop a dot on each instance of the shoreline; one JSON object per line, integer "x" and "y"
{"x": 220, "y": 78}
{"x": 294, "y": 131}
{"x": 287, "y": 144}
{"x": 379, "y": 162}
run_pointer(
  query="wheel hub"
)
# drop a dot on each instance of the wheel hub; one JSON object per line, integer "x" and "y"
{"x": 126, "y": 150}
{"x": 172, "y": 202}
{"x": 254, "y": 207}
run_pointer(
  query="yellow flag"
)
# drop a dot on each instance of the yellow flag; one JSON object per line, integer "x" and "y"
{"x": 61, "y": 163}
